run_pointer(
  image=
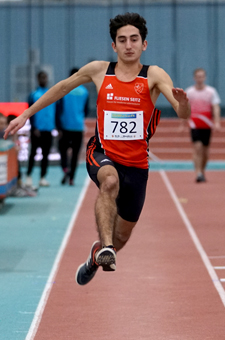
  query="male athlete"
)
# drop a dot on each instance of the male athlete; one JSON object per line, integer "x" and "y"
{"x": 205, "y": 108}
{"x": 117, "y": 156}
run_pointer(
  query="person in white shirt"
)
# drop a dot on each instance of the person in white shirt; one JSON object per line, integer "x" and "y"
{"x": 205, "y": 115}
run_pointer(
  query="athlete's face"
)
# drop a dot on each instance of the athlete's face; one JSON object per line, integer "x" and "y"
{"x": 200, "y": 78}
{"x": 43, "y": 80}
{"x": 129, "y": 45}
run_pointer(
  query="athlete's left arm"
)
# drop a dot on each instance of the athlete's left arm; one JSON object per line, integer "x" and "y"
{"x": 176, "y": 96}
{"x": 216, "y": 116}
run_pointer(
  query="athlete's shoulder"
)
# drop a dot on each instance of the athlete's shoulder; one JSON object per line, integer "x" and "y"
{"x": 190, "y": 89}
{"x": 157, "y": 72}
{"x": 91, "y": 72}
{"x": 32, "y": 93}
{"x": 158, "y": 76}
{"x": 215, "y": 97}
{"x": 94, "y": 67}
{"x": 38, "y": 92}
{"x": 210, "y": 88}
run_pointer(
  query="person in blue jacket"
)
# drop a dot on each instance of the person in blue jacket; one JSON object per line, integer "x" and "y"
{"x": 42, "y": 125}
{"x": 71, "y": 112}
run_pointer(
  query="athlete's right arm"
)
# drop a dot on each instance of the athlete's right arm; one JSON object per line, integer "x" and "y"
{"x": 86, "y": 74}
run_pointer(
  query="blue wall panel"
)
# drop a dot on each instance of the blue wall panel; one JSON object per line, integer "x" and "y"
{"x": 180, "y": 39}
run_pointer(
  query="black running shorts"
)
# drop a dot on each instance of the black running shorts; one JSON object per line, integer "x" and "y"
{"x": 133, "y": 181}
{"x": 201, "y": 135}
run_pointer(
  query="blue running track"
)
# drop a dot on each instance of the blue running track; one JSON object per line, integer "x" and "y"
{"x": 32, "y": 229}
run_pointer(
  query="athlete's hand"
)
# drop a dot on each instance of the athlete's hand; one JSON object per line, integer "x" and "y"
{"x": 180, "y": 96}
{"x": 184, "y": 108}
{"x": 15, "y": 125}
{"x": 217, "y": 126}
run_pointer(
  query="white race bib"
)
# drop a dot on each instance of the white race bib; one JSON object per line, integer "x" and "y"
{"x": 123, "y": 125}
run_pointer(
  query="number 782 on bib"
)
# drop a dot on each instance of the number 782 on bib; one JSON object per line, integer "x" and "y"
{"x": 120, "y": 125}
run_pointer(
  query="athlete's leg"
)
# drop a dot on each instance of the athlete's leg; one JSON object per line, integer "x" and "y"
{"x": 130, "y": 202}
{"x": 198, "y": 157}
{"x": 121, "y": 191}
{"x": 35, "y": 142}
{"x": 46, "y": 142}
{"x": 205, "y": 157}
{"x": 102, "y": 171}
{"x": 76, "y": 139}
{"x": 201, "y": 141}
{"x": 63, "y": 147}
{"x": 105, "y": 207}
{"x": 122, "y": 232}
{"x": 206, "y": 137}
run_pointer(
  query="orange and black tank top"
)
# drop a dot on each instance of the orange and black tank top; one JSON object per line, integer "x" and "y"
{"x": 126, "y": 118}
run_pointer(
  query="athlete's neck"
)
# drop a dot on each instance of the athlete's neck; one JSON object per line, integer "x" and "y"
{"x": 199, "y": 86}
{"x": 127, "y": 71}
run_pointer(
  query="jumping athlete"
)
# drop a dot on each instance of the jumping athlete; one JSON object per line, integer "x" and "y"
{"x": 117, "y": 156}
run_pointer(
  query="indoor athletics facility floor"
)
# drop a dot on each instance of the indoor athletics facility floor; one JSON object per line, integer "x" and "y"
{"x": 170, "y": 277}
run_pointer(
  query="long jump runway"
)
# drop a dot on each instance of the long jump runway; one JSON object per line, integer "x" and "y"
{"x": 170, "y": 277}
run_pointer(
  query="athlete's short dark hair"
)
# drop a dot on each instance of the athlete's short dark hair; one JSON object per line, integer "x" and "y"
{"x": 10, "y": 118}
{"x": 133, "y": 19}
{"x": 41, "y": 73}
{"x": 200, "y": 69}
{"x": 73, "y": 70}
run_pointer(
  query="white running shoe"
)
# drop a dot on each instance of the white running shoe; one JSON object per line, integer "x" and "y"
{"x": 43, "y": 182}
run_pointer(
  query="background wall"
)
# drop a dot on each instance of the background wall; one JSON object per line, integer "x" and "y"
{"x": 57, "y": 36}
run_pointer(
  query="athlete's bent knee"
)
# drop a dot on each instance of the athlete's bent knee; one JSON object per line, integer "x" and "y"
{"x": 110, "y": 184}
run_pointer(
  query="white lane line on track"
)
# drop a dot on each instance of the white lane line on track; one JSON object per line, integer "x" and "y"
{"x": 154, "y": 157}
{"x": 219, "y": 267}
{"x": 44, "y": 298}
{"x": 194, "y": 237}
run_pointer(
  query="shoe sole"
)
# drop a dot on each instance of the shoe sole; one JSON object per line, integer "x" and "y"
{"x": 106, "y": 258}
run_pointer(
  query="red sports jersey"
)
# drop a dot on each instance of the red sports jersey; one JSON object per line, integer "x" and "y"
{"x": 126, "y": 118}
